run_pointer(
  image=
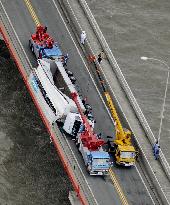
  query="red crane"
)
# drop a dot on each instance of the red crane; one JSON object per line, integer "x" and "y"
{"x": 88, "y": 137}
{"x": 41, "y": 37}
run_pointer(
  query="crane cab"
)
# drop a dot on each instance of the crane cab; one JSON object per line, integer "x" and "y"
{"x": 72, "y": 124}
{"x": 125, "y": 155}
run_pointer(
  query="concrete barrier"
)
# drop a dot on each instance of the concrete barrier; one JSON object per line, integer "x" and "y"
{"x": 75, "y": 26}
{"x": 67, "y": 157}
{"x": 124, "y": 83}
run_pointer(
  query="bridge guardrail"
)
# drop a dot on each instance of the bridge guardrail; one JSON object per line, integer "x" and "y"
{"x": 76, "y": 26}
{"x": 21, "y": 60}
{"x": 72, "y": 162}
{"x": 124, "y": 84}
{"x": 15, "y": 42}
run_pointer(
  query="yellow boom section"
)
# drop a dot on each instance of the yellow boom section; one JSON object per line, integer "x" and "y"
{"x": 119, "y": 129}
{"x": 123, "y": 136}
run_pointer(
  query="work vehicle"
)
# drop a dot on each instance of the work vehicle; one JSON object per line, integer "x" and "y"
{"x": 42, "y": 45}
{"x": 69, "y": 114}
{"x": 97, "y": 160}
{"x": 56, "y": 89}
{"x": 122, "y": 147}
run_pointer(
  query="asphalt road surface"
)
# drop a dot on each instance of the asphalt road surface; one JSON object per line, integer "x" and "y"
{"x": 129, "y": 179}
{"x": 134, "y": 29}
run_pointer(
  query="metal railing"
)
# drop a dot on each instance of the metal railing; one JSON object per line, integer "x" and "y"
{"x": 74, "y": 165}
{"x": 124, "y": 83}
{"x": 14, "y": 39}
{"x": 61, "y": 139}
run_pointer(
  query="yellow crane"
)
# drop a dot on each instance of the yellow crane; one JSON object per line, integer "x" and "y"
{"x": 122, "y": 147}
{"x": 124, "y": 152}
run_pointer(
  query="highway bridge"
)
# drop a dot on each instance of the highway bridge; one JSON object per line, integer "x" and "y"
{"x": 123, "y": 186}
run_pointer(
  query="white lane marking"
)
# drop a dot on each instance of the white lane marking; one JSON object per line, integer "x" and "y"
{"x": 144, "y": 184}
{"x": 127, "y": 119}
{"x": 124, "y": 114}
{"x": 15, "y": 34}
{"x": 31, "y": 66}
{"x": 83, "y": 61}
{"x": 81, "y": 169}
{"x": 110, "y": 89}
{"x": 80, "y": 56}
{"x": 120, "y": 105}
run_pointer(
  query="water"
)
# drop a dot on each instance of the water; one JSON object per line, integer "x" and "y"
{"x": 30, "y": 169}
{"x": 133, "y": 29}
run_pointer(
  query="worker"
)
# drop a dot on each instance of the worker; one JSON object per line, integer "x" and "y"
{"x": 156, "y": 148}
{"x": 41, "y": 52}
{"x": 88, "y": 107}
{"x": 45, "y": 29}
{"x": 101, "y": 56}
{"x": 83, "y": 37}
{"x": 137, "y": 155}
{"x": 82, "y": 128}
{"x": 89, "y": 115}
{"x": 86, "y": 112}
{"x": 84, "y": 100}
{"x": 92, "y": 58}
{"x": 99, "y": 136}
{"x": 99, "y": 59}
{"x": 65, "y": 59}
{"x": 109, "y": 145}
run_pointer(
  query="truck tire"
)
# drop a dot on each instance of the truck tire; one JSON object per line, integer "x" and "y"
{"x": 31, "y": 46}
{"x": 32, "y": 49}
{"x": 87, "y": 169}
{"x": 78, "y": 145}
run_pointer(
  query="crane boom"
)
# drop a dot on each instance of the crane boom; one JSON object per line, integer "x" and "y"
{"x": 123, "y": 149}
{"x": 88, "y": 137}
{"x": 120, "y": 132}
{"x": 122, "y": 135}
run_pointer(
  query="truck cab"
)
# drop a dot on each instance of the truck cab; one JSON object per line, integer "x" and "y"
{"x": 98, "y": 163}
{"x": 72, "y": 124}
{"x": 41, "y": 51}
{"x": 53, "y": 53}
{"x": 125, "y": 155}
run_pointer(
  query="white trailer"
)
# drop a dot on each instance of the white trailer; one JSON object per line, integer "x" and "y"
{"x": 63, "y": 107}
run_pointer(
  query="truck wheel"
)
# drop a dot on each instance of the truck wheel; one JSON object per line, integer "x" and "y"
{"x": 87, "y": 169}
{"x": 32, "y": 49}
{"x": 78, "y": 145}
{"x": 31, "y": 46}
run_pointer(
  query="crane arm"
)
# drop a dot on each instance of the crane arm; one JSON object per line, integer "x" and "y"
{"x": 119, "y": 129}
{"x": 89, "y": 138}
{"x": 120, "y": 134}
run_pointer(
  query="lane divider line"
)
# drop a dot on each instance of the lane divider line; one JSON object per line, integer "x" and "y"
{"x": 13, "y": 53}
{"x": 115, "y": 98}
{"x": 118, "y": 187}
{"x": 112, "y": 174}
{"x": 32, "y": 12}
{"x": 37, "y": 22}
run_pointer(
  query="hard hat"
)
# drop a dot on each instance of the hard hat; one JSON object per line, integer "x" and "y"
{"x": 83, "y": 32}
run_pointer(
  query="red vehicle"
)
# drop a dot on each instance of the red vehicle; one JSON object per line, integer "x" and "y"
{"x": 43, "y": 45}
